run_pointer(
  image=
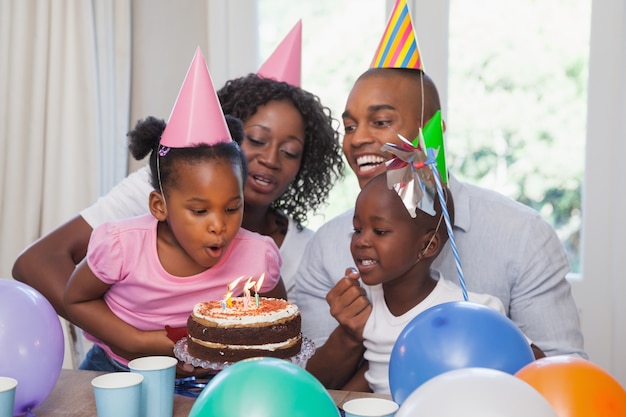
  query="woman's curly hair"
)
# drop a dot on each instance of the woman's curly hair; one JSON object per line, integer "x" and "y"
{"x": 322, "y": 162}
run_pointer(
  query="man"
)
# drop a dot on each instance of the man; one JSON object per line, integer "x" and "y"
{"x": 506, "y": 249}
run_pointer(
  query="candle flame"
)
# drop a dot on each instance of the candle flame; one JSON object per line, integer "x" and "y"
{"x": 229, "y": 291}
{"x": 249, "y": 284}
{"x": 233, "y": 284}
{"x": 257, "y": 287}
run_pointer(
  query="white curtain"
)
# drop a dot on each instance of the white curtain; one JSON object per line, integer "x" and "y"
{"x": 64, "y": 100}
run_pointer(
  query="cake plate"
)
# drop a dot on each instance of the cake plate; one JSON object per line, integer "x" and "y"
{"x": 181, "y": 352}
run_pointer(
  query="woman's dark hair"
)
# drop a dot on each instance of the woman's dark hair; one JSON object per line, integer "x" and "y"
{"x": 144, "y": 139}
{"x": 322, "y": 162}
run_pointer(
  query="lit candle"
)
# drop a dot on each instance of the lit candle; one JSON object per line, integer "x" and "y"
{"x": 246, "y": 293}
{"x": 229, "y": 292}
{"x": 257, "y": 288}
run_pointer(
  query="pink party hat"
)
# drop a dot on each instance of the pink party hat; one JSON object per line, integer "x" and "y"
{"x": 285, "y": 63}
{"x": 197, "y": 116}
{"x": 398, "y": 47}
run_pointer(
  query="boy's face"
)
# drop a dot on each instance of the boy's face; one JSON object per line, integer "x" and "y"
{"x": 205, "y": 209}
{"x": 378, "y": 108}
{"x": 384, "y": 244}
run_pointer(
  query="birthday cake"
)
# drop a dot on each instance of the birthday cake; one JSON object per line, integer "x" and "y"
{"x": 244, "y": 329}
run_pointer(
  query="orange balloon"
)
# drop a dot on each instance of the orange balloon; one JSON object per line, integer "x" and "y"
{"x": 575, "y": 387}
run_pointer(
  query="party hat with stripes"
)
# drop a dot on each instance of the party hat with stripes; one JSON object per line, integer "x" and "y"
{"x": 398, "y": 47}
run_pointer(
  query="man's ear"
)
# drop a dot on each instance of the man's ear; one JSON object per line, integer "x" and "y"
{"x": 157, "y": 206}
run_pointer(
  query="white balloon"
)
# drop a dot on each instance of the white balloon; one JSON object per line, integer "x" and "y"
{"x": 475, "y": 392}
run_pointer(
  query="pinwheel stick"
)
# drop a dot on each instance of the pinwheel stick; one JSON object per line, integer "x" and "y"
{"x": 446, "y": 217}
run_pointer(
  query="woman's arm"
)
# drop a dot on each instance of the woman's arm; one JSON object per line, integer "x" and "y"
{"x": 47, "y": 264}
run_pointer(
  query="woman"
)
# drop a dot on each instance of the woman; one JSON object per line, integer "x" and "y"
{"x": 294, "y": 158}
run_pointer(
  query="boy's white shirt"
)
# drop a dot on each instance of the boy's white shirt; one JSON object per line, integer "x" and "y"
{"x": 383, "y": 328}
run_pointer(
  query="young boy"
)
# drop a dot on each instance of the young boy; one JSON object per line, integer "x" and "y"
{"x": 393, "y": 253}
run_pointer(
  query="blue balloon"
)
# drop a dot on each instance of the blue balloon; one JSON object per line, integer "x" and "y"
{"x": 455, "y": 335}
{"x": 31, "y": 343}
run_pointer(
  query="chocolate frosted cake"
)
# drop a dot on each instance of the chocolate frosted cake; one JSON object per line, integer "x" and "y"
{"x": 232, "y": 333}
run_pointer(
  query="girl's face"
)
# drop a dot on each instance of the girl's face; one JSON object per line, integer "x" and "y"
{"x": 205, "y": 209}
{"x": 273, "y": 145}
{"x": 385, "y": 243}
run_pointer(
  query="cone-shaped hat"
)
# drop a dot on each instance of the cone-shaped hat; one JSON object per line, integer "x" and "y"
{"x": 398, "y": 47}
{"x": 285, "y": 63}
{"x": 197, "y": 116}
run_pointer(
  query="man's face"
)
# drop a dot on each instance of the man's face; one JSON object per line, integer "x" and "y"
{"x": 378, "y": 108}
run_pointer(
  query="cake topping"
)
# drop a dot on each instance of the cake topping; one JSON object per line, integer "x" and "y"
{"x": 269, "y": 309}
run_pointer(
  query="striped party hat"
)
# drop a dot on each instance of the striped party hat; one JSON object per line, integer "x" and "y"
{"x": 398, "y": 47}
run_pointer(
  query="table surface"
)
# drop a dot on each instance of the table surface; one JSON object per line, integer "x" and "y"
{"x": 73, "y": 396}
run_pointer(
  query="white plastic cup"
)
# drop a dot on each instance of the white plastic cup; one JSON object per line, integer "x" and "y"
{"x": 159, "y": 373}
{"x": 370, "y": 407}
{"x": 7, "y": 395}
{"x": 118, "y": 394}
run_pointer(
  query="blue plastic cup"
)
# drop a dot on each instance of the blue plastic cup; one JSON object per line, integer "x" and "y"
{"x": 159, "y": 374}
{"x": 7, "y": 396}
{"x": 118, "y": 394}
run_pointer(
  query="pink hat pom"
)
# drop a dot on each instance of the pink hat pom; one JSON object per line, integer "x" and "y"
{"x": 197, "y": 116}
{"x": 285, "y": 63}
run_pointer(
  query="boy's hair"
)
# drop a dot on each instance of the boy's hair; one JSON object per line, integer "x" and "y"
{"x": 322, "y": 162}
{"x": 418, "y": 78}
{"x": 144, "y": 139}
{"x": 428, "y": 222}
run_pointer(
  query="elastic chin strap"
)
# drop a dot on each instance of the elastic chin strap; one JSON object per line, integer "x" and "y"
{"x": 419, "y": 256}
{"x": 158, "y": 166}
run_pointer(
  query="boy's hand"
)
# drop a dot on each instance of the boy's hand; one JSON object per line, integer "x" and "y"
{"x": 349, "y": 304}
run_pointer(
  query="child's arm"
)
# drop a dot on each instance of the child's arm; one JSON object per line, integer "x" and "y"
{"x": 84, "y": 303}
{"x": 336, "y": 362}
{"x": 358, "y": 382}
{"x": 349, "y": 304}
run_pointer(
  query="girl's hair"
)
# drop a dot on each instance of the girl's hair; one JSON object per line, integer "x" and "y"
{"x": 144, "y": 139}
{"x": 322, "y": 162}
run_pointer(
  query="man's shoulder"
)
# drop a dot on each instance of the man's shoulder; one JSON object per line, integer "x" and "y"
{"x": 484, "y": 199}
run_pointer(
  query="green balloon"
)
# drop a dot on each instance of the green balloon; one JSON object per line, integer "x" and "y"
{"x": 264, "y": 387}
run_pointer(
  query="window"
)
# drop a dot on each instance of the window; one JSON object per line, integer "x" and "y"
{"x": 517, "y": 100}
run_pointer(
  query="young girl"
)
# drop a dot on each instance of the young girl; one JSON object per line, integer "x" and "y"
{"x": 294, "y": 158}
{"x": 144, "y": 273}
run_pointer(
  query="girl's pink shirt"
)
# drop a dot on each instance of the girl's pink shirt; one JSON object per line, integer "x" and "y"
{"x": 124, "y": 255}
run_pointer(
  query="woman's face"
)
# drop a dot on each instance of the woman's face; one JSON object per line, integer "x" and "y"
{"x": 273, "y": 144}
